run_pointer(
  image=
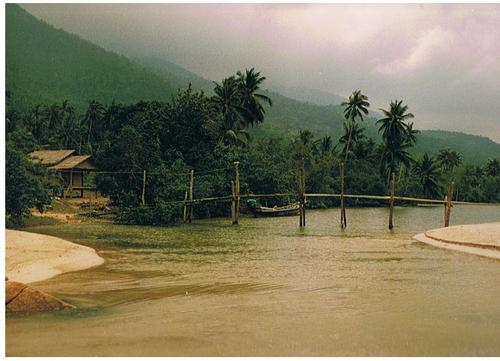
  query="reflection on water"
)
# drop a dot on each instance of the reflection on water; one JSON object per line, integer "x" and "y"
{"x": 265, "y": 287}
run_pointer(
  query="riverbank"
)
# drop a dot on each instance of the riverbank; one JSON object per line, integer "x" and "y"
{"x": 32, "y": 257}
{"x": 479, "y": 239}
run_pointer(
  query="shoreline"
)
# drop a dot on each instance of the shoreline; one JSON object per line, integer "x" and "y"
{"x": 32, "y": 257}
{"x": 478, "y": 239}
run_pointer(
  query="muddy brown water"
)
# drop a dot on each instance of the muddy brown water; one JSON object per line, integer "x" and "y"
{"x": 266, "y": 288}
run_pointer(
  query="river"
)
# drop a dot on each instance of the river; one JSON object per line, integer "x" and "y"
{"x": 266, "y": 288}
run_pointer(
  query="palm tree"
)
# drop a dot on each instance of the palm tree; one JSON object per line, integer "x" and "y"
{"x": 304, "y": 143}
{"x": 326, "y": 144}
{"x": 93, "y": 116}
{"x": 53, "y": 114}
{"x": 492, "y": 168}
{"x": 412, "y": 134}
{"x": 229, "y": 121}
{"x": 449, "y": 159}
{"x": 427, "y": 171}
{"x": 393, "y": 126}
{"x": 397, "y": 136}
{"x": 355, "y": 107}
{"x": 306, "y": 137}
{"x": 251, "y": 100}
{"x": 353, "y": 134}
{"x": 37, "y": 123}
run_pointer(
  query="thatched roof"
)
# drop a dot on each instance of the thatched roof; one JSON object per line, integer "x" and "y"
{"x": 63, "y": 159}
{"x": 51, "y": 157}
{"x": 75, "y": 161}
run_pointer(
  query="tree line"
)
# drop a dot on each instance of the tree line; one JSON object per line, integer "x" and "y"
{"x": 209, "y": 133}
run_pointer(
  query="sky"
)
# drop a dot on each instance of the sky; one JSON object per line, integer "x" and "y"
{"x": 443, "y": 60}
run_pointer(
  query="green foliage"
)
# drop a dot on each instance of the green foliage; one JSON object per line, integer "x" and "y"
{"x": 449, "y": 159}
{"x": 27, "y": 185}
{"x": 428, "y": 173}
{"x": 238, "y": 106}
{"x": 158, "y": 215}
{"x": 397, "y": 137}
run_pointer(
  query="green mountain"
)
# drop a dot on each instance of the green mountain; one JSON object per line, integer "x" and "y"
{"x": 46, "y": 65}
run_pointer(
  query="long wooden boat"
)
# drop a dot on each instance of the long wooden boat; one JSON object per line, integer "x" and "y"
{"x": 288, "y": 210}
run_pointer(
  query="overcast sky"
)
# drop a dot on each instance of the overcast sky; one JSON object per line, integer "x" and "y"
{"x": 443, "y": 60}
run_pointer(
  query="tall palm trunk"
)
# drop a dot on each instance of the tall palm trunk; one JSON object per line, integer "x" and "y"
{"x": 88, "y": 138}
{"x": 349, "y": 140}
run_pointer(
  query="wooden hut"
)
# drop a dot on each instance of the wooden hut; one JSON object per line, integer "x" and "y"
{"x": 71, "y": 166}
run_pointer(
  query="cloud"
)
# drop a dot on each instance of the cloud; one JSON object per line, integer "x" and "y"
{"x": 431, "y": 41}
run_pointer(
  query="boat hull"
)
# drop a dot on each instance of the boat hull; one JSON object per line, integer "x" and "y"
{"x": 275, "y": 212}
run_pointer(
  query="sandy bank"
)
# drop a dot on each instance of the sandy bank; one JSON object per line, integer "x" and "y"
{"x": 483, "y": 235}
{"x": 479, "y": 239}
{"x": 31, "y": 257}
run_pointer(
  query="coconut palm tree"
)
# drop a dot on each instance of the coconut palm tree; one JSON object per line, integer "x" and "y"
{"x": 251, "y": 101}
{"x": 397, "y": 136}
{"x": 355, "y": 107}
{"x": 412, "y": 134}
{"x": 53, "y": 116}
{"x": 230, "y": 116}
{"x": 326, "y": 144}
{"x": 492, "y": 168}
{"x": 353, "y": 133}
{"x": 93, "y": 116}
{"x": 393, "y": 126}
{"x": 449, "y": 159}
{"x": 37, "y": 123}
{"x": 428, "y": 172}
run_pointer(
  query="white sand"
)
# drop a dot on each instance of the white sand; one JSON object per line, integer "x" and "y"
{"x": 479, "y": 239}
{"x": 32, "y": 257}
{"x": 485, "y": 235}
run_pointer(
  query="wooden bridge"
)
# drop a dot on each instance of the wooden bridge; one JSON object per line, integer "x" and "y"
{"x": 235, "y": 197}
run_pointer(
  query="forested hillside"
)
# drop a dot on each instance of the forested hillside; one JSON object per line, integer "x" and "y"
{"x": 45, "y": 65}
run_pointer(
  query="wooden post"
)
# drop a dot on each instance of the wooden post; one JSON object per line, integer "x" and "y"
{"x": 233, "y": 204}
{"x": 71, "y": 183}
{"x": 90, "y": 201}
{"x": 445, "y": 208}
{"x": 143, "y": 198}
{"x": 299, "y": 192}
{"x": 391, "y": 206}
{"x": 343, "y": 220}
{"x": 303, "y": 193}
{"x": 191, "y": 186}
{"x": 81, "y": 190}
{"x": 236, "y": 192}
{"x": 302, "y": 214}
{"x": 449, "y": 204}
{"x": 184, "y": 213}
